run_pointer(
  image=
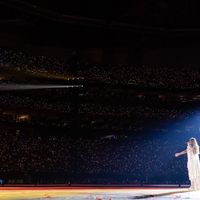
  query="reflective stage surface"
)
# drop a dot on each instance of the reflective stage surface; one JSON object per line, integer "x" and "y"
{"x": 86, "y": 193}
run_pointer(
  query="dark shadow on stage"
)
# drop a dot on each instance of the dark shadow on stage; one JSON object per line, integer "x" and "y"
{"x": 159, "y": 195}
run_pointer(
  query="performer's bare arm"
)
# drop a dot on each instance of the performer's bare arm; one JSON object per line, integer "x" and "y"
{"x": 180, "y": 153}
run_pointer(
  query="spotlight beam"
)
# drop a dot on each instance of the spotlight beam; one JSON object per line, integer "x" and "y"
{"x": 5, "y": 87}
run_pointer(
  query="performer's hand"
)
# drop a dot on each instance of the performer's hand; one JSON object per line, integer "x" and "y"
{"x": 176, "y": 154}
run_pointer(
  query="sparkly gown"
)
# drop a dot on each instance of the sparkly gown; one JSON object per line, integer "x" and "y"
{"x": 193, "y": 165}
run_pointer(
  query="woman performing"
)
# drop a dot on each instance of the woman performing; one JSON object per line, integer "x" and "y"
{"x": 193, "y": 163}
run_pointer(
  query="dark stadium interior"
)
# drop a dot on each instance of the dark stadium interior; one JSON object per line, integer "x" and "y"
{"x": 137, "y": 63}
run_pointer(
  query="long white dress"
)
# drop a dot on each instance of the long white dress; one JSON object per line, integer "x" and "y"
{"x": 193, "y": 165}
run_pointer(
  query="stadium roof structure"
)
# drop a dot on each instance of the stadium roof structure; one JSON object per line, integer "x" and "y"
{"x": 148, "y": 15}
{"x": 88, "y": 18}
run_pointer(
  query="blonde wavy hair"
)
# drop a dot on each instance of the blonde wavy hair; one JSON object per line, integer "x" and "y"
{"x": 194, "y": 145}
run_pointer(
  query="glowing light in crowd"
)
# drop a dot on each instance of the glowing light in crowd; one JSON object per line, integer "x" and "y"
{"x": 22, "y": 117}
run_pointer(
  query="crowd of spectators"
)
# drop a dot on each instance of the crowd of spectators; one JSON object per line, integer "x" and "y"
{"x": 129, "y": 154}
{"x": 131, "y": 159}
{"x": 145, "y": 76}
{"x": 21, "y": 61}
{"x": 88, "y": 114}
{"x": 14, "y": 101}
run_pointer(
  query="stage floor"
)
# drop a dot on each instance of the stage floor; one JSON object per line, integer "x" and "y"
{"x": 78, "y": 193}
